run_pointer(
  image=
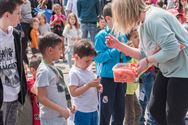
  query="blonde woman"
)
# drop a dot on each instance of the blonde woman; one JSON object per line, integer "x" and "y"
{"x": 163, "y": 42}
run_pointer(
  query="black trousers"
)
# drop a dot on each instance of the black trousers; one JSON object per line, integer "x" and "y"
{"x": 169, "y": 100}
{"x": 112, "y": 102}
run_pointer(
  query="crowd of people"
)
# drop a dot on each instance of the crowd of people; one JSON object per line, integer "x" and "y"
{"x": 151, "y": 33}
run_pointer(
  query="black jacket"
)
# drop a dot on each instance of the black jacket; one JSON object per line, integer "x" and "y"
{"x": 23, "y": 84}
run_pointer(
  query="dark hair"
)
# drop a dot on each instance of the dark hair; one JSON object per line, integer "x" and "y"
{"x": 131, "y": 33}
{"x": 9, "y": 6}
{"x": 84, "y": 48}
{"x": 48, "y": 40}
{"x": 107, "y": 10}
{"x": 100, "y": 17}
{"x": 34, "y": 62}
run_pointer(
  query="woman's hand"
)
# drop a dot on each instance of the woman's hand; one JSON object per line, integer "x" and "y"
{"x": 112, "y": 42}
{"x": 142, "y": 66}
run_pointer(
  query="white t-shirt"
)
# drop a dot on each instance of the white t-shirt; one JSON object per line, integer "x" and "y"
{"x": 70, "y": 34}
{"x": 8, "y": 66}
{"x": 88, "y": 101}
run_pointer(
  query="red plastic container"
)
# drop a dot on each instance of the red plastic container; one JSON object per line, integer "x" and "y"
{"x": 125, "y": 72}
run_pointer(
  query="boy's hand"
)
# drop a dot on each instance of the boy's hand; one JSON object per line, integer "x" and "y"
{"x": 65, "y": 113}
{"x": 73, "y": 109}
{"x": 94, "y": 83}
{"x": 100, "y": 88}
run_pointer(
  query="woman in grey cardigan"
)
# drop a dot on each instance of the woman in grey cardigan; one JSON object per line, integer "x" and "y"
{"x": 164, "y": 43}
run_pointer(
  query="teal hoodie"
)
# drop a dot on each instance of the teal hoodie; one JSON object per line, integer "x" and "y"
{"x": 107, "y": 57}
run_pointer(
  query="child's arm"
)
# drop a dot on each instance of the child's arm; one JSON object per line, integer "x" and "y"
{"x": 34, "y": 39}
{"x": 79, "y": 90}
{"x": 42, "y": 96}
{"x": 53, "y": 20}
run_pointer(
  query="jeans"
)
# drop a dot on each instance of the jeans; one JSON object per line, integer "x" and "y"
{"x": 9, "y": 112}
{"x": 148, "y": 80}
{"x": 89, "y": 28}
{"x": 54, "y": 121}
{"x": 169, "y": 100}
{"x": 82, "y": 118}
{"x": 112, "y": 102}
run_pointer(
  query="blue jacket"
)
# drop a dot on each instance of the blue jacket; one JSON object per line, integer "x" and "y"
{"x": 107, "y": 57}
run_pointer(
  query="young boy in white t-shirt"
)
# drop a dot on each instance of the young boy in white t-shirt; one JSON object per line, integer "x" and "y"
{"x": 83, "y": 84}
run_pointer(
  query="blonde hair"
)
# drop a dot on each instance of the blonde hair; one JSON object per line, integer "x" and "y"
{"x": 126, "y": 14}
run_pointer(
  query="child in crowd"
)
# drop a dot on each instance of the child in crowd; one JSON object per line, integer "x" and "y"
{"x": 31, "y": 77}
{"x": 83, "y": 84}
{"x": 51, "y": 88}
{"x": 42, "y": 8}
{"x": 101, "y": 23}
{"x": 44, "y": 27}
{"x": 113, "y": 96}
{"x": 57, "y": 23}
{"x": 34, "y": 34}
{"x": 72, "y": 33}
{"x": 12, "y": 78}
{"x": 132, "y": 106}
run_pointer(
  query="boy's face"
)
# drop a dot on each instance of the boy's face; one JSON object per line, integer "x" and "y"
{"x": 33, "y": 71}
{"x": 55, "y": 52}
{"x": 135, "y": 39}
{"x": 102, "y": 23}
{"x": 14, "y": 18}
{"x": 83, "y": 62}
{"x": 109, "y": 21}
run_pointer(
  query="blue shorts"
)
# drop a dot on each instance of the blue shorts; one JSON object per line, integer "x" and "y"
{"x": 82, "y": 118}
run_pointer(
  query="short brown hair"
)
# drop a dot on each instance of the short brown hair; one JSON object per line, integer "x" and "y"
{"x": 48, "y": 40}
{"x": 84, "y": 48}
{"x": 9, "y": 6}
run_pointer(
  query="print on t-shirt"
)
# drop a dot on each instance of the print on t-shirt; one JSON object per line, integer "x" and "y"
{"x": 8, "y": 68}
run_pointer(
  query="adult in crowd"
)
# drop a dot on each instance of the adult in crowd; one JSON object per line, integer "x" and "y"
{"x": 163, "y": 42}
{"x": 71, "y": 7}
{"x": 26, "y": 19}
{"x": 87, "y": 13}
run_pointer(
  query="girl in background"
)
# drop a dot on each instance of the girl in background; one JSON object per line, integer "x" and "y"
{"x": 34, "y": 35}
{"x": 57, "y": 23}
{"x": 44, "y": 27}
{"x": 72, "y": 33}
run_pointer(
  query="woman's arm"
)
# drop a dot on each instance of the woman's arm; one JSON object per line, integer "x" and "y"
{"x": 112, "y": 42}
